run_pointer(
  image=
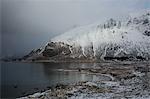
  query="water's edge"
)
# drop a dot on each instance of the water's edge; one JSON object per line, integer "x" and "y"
{"x": 120, "y": 80}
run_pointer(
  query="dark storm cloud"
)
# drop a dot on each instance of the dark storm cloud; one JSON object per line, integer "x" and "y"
{"x": 0, "y": 42}
{"x": 28, "y": 24}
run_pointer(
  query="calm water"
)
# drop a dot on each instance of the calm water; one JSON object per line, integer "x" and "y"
{"x": 20, "y": 79}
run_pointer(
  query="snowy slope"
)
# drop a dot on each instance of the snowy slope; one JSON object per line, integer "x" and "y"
{"x": 113, "y": 38}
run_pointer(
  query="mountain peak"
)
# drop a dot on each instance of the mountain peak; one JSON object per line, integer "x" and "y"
{"x": 114, "y": 39}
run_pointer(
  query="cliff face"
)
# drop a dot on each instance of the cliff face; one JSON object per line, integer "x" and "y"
{"x": 111, "y": 40}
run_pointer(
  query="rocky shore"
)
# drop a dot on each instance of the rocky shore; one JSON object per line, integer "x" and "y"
{"x": 126, "y": 80}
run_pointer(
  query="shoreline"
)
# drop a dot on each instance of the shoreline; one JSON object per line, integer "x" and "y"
{"x": 76, "y": 61}
{"x": 125, "y": 81}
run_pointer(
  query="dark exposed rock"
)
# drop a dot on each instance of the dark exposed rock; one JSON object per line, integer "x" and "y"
{"x": 117, "y": 58}
{"x": 69, "y": 94}
{"x": 59, "y": 86}
{"x": 54, "y": 49}
{"x": 147, "y": 33}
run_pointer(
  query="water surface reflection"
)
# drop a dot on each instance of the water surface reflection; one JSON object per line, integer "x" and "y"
{"x": 19, "y": 79}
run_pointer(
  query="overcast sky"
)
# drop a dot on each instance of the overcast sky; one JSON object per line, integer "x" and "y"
{"x": 28, "y": 24}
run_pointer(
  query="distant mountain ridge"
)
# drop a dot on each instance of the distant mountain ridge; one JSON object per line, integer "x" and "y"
{"x": 114, "y": 39}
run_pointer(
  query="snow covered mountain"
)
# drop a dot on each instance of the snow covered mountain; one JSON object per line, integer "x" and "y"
{"x": 111, "y": 40}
